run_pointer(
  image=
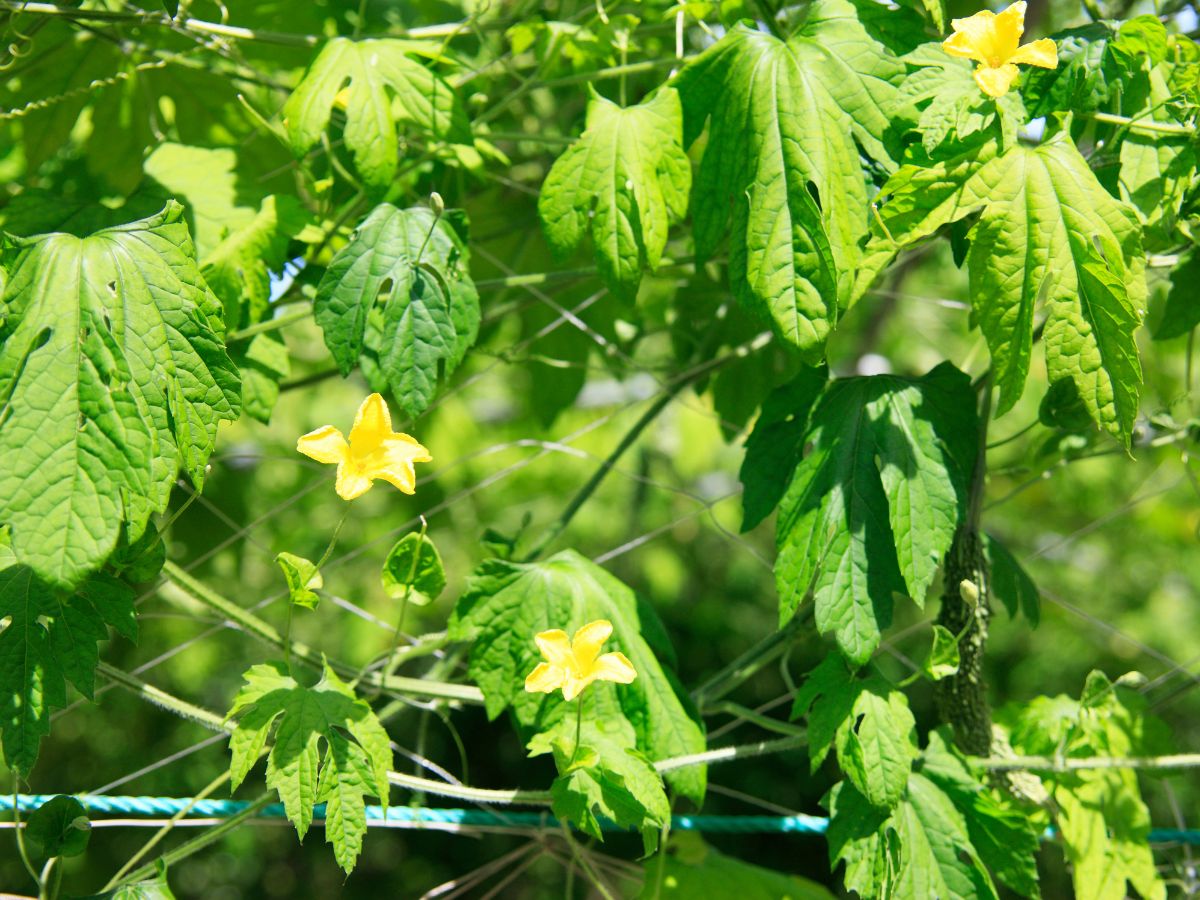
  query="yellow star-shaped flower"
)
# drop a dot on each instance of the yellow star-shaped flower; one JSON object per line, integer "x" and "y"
{"x": 374, "y": 451}
{"x": 574, "y": 663}
{"x": 993, "y": 41}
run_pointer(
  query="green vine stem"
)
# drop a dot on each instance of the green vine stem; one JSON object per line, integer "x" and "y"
{"x": 190, "y": 589}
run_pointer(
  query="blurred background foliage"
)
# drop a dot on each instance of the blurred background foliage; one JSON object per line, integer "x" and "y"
{"x": 1109, "y": 538}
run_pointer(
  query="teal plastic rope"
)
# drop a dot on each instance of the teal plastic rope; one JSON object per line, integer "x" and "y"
{"x": 407, "y": 815}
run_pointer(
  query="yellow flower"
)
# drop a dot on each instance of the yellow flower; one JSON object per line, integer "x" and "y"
{"x": 992, "y": 40}
{"x": 374, "y": 451}
{"x": 572, "y": 664}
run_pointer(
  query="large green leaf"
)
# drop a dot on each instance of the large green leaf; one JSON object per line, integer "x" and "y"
{"x": 399, "y": 297}
{"x": 386, "y": 88}
{"x": 623, "y": 183}
{"x": 1006, "y": 837}
{"x": 873, "y": 507}
{"x": 921, "y": 849}
{"x": 49, "y": 639}
{"x": 781, "y": 171}
{"x": 506, "y": 604}
{"x": 113, "y": 376}
{"x": 1048, "y": 233}
{"x": 354, "y": 763}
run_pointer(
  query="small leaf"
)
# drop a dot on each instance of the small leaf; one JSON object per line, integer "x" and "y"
{"x": 387, "y": 88}
{"x": 606, "y": 776}
{"x": 1010, "y": 583}
{"x": 942, "y": 661}
{"x": 413, "y": 570}
{"x": 623, "y": 182}
{"x": 302, "y": 579}
{"x": 155, "y": 889}
{"x": 356, "y": 759}
{"x": 1181, "y": 313}
{"x": 59, "y": 827}
{"x": 399, "y": 299}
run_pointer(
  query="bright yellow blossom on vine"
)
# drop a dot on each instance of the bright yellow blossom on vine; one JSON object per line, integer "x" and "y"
{"x": 574, "y": 663}
{"x": 374, "y": 451}
{"x": 993, "y": 41}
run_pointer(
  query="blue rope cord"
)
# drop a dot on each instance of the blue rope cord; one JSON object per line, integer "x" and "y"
{"x": 407, "y": 815}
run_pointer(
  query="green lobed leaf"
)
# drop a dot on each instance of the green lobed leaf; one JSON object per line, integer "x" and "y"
{"x": 1006, "y": 837}
{"x": 413, "y": 570}
{"x": 50, "y": 639}
{"x": 386, "y": 89}
{"x": 400, "y": 295}
{"x": 353, "y": 763}
{"x": 623, "y": 183}
{"x": 604, "y": 775}
{"x": 1048, "y": 234}
{"x": 781, "y": 172}
{"x": 776, "y": 443}
{"x": 155, "y": 889}
{"x": 921, "y": 849}
{"x": 303, "y": 579}
{"x": 59, "y": 827}
{"x": 113, "y": 377}
{"x": 506, "y": 604}
{"x": 873, "y": 507}
{"x": 869, "y": 723}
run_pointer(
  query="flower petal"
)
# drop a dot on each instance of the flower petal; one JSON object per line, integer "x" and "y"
{"x": 1008, "y": 28}
{"x": 1043, "y": 53}
{"x": 588, "y": 640}
{"x": 325, "y": 445}
{"x": 351, "y": 482}
{"x": 962, "y": 45}
{"x": 402, "y": 477}
{"x": 614, "y": 667}
{"x": 555, "y": 647}
{"x": 973, "y": 37}
{"x": 574, "y": 685}
{"x": 371, "y": 426}
{"x": 544, "y": 679}
{"x": 996, "y": 82}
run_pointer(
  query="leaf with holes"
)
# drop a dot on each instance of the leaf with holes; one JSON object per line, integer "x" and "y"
{"x": 623, "y": 183}
{"x": 781, "y": 171}
{"x": 506, "y": 604}
{"x": 47, "y": 638}
{"x": 353, "y": 763}
{"x": 868, "y": 722}
{"x": 385, "y": 88}
{"x": 400, "y": 296}
{"x": 113, "y": 376}
{"x": 1048, "y": 234}
{"x": 872, "y": 508}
